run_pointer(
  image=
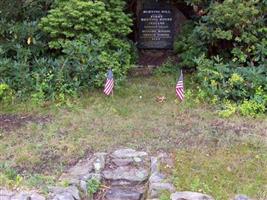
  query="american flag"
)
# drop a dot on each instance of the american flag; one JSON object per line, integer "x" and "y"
{"x": 109, "y": 83}
{"x": 180, "y": 87}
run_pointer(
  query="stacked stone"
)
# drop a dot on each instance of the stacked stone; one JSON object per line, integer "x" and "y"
{"x": 127, "y": 175}
{"x": 157, "y": 181}
{"x": 78, "y": 176}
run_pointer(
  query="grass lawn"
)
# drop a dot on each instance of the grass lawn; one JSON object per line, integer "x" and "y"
{"x": 221, "y": 157}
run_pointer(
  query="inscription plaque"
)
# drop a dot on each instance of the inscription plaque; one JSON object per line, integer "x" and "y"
{"x": 156, "y": 29}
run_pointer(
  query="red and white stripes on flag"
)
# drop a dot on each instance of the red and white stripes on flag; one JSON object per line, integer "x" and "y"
{"x": 180, "y": 87}
{"x": 109, "y": 83}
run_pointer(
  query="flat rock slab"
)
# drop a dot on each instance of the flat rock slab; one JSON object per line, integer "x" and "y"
{"x": 190, "y": 196}
{"x": 81, "y": 171}
{"x": 128, "y": 153}
{"x": 122, "y": 194}
{"x": 126, "y": 173}
{"x": 68, "y": 193}
{"x": 156, "y": 178}
{"x": 122, "y": 161}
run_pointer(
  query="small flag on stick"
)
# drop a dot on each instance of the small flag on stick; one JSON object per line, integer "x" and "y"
{"x": 180, "y": 87}
{"x": 109, "y": 83}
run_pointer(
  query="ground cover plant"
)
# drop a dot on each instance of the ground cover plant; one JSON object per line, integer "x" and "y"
{"x": 34, "y": 155}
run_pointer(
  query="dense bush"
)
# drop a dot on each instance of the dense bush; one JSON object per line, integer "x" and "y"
{"x": 71, "y": 19}
{"x": 240, "y": 86}
{"x": 68, "y": 51}
{"x": 18, "y": 27}
{"x": 21, "y": 40}
{"x": 18, "y": 10}
{"x": 228, "y": 46}
{"x": 47, "y": 78}
{"x": 89, "y": 60}
{"x": 92, "y": 35}
{"x": 234, "y": 29}
{"x": 188, "y": 46}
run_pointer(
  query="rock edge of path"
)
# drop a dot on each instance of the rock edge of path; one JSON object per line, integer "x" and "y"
{"x": 125, "y": 174}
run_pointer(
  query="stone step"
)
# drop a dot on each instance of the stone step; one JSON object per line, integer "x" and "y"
{"x": 127, "y": 173}
{"x": 123, "y": 194}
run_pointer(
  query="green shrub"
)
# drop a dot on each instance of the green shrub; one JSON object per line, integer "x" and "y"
{"x": 256, "y": 105}
{"x": 92, "y": 37}
{"x": 245, "y": 86}
{"x": 106, "y": 21}
{"x": 251, "y": 108}
{"x": 228, "y": 46}
{"x": 19, "y": 30}
{"x": 234, "y": 29}
{"x": 17, "y": 10}
{"x": 86, "y": 38}
{"x": 15, "y": 74}
{"x": 188, "y": 46}
{"x": 228, "y": 109}
{"x": 21, "y": 41}
{"x": 83, "y": 66}
{"x": 89, "y": 59}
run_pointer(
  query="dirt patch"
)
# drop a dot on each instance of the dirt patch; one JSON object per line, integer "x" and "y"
{"x": 10, "y": 122}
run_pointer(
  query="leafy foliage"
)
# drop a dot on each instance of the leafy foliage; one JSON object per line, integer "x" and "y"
{"x": 71, "y": 19}
{"x": 243, "y": 85}
{"x": 25, "y": 10}
{"x": 88, "y": 60}
{"x": 92, "y": 35}
{"x": 188, "y": 46}
{"x": 228, "y": 46}
{"x": 84, "y": 39}
{"x": 21, "y": 40}
{"x": 93, "y": 186}
{"x": 168, "y": 67}
{"x": 235, "y": 30}
{"x": 18, "y": 27}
